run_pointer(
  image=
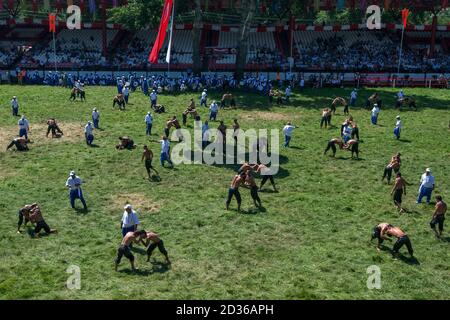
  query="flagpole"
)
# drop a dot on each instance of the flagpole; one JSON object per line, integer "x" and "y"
{"x": 54, "y": 50}
{"x": 169, "y": 47}
{"x": 400, "y": 56}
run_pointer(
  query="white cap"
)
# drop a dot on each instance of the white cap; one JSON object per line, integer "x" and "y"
{"x": 128, "y": 206}
{"x": 148, "y": 112}
{"x": 72, "y": 173}
{"x": 95, "y": 109}
{"x": 427, "y": 170}
{"x": 397, "y": 117}
{"x": 14, "y": 97}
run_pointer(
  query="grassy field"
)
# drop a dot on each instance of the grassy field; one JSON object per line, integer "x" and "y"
{"x": 311, "y": 242}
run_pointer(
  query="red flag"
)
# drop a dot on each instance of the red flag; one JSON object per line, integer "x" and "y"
{"x": 405, "y": 14}
{"x": 153, "y": 58}
{"x": 52, "y": 22}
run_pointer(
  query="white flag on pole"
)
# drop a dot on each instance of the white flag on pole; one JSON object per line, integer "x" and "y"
{"x": 170, "y": 37}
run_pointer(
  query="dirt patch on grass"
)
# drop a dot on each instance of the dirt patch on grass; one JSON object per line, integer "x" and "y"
{"x": 73, "y": 132}
{"x": 140, "y": 202}
{"x": 268, "y": 116}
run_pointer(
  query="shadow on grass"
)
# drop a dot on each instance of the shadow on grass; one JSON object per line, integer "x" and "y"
{"x": 94, "y": 145}
{"x": 81, "y": 211}
{"x": 157, "y": 267}
{"x": 409, "y": 260}
{"x": 405, "y": 140}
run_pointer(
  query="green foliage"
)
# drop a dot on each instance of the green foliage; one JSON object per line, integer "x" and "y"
{"x": 137, "y": 14}
{"x": 311, "y": 242}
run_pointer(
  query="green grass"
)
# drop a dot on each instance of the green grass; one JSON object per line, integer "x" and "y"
{"x": 311, "y": 243}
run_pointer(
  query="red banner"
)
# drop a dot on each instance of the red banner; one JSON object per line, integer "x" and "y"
{"x": 165, "y": 17}
{"x": 405, "y": 14}
{"x": 51, "y": 22}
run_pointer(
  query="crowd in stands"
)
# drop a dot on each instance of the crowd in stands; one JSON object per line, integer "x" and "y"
{"x": 339, "y": 52}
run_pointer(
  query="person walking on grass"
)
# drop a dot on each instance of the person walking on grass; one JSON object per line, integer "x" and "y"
{"x": 24, "y": 127}
{"x": 375, "y": 113}
{"x": 73, "y": 183}
{"x": 237, "y": 181}
{"x": 438, "y": 216}
{"x": 148, "y": 123}
{"x": 398, "y": 127}
{"x": 147, "y": 155}
{"x": 125, "y": 247}
{"x": 287, "y": 131}
{"x": 398, "y": 190}
{"x": 95, "y": 118}
{"x": 15, "y": 106}
{"x": 165, "y": 152}
{"x": 426, "y": 186}
{"x": 130, "y": 220}
{"x": 384, "y": 231}
{"x": 88, "y": 129}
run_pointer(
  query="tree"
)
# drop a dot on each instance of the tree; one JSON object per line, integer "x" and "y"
{"x": 15, "y": 10}
{"x": 137, "y": 14}
{"x": 244, "y": 29}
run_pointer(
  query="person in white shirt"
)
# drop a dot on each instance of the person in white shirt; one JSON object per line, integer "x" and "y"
{"x": 205, "y": 134}
{"x": 375, "y": 112}
{"x": 400, "y": 94}
{"x": 288, "y": 93}
{"x": 203, "y": 98}
{"x": 88, "y": 129}
{"x": 214, "y": 109}
{"x": 353, "y": 97}
{"x": 398, "y": 127}
{"x": 24, "y": 127}
{"x": 302, "y": 84}
{"x": 426, "y": 186}
{"x": 165, "y": 149}
{"x": 153, "y": 99}
{"x": 130, "y": 220}
{"x": 73, "y": 183}
{"x": 95, "y": 118}
{"x": 346, "y": 132}
{"x": 15, "y": 106}
{"x": 287, "y": 131}
{"x": 126, "y": 94}
{"x": 149, "y": 123}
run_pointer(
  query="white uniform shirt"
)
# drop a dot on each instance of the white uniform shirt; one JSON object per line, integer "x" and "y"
{"x": 427, "y": 181}
{"x": 165, "y": 144}
{"x": 23, "y": 124}
{"x": 287, "y": 130}
{"x": 205, "y": 132}
{"x": 153, "y": 96}
{"x": 204, "y": 95}
{"x": 95, "y": 115}
{"x": 375, "y": 111}
{"x": 126, "y": 91}
{"x": 88, "y": 129}
{"x": 14, "y": 103}
{"x": 129, "y": 219}
{"x": 72, "y": 182}
{"x": 288, "y": 92}
{"x": 148, "y": 119}
{"x": 400, "y": 95}
{"x": 354, "y": 95}
{"x": 214, "y": 107}
{"x": 398, "y": 124}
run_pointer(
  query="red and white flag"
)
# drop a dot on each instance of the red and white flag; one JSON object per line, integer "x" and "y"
{"x": 169, "y": 47}
{"x": 153, "y": 58}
